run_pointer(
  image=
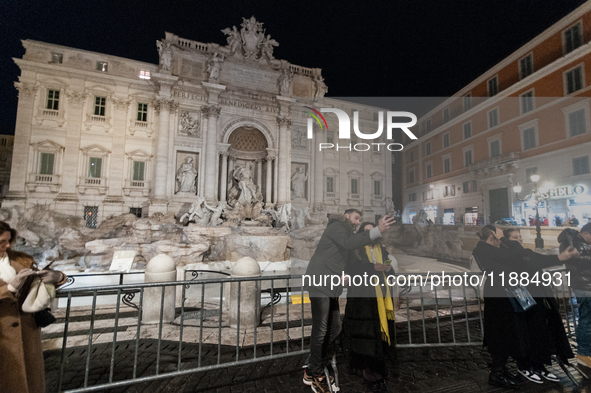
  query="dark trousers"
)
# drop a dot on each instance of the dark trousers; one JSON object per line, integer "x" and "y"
{"x": 326, "y": 326}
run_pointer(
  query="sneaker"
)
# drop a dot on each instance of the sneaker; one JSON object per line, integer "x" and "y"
{"x": 584, "y": 360}
{"x": 530, "y": 375}
{"x": 308, "y": 380}
{"x": 319, "y": 385}
{"x": 547, "y": 375}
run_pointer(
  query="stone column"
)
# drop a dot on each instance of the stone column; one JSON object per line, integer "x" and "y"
{"x": 114, "y": 200}
{"x": 162, "y": 151}
{"x": 318, "y": 168}
{"x": 22, "y": 141}
{"x": 259, "y": 162}
{"x": 212, "y": 113}
{"x": 268, "y": 192}
{"x": 76, "y": 101}
{"x": 211, "y": 153}
{"x": 224, "y": 186}
{"x": 284, "y": 160}
{"x": 275, "y": 180}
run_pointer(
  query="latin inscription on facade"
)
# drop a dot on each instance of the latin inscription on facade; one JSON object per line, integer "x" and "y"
{"x": 249, "y": 78}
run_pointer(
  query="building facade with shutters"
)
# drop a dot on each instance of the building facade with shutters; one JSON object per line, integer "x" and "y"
{"x": 529, "y": 114}
{"x": 98, "y": 135}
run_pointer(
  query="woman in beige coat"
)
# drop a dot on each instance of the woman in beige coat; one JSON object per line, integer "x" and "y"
{"x": 21, "y": 356}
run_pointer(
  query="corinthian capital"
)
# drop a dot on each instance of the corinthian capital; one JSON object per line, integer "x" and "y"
{"x": 283, "y": 121}
{"x": 76, "y": 97}
{"x": 25, "y": 89}
{"x": 211, "y": 111}
{"x": 164, "y": 103}
{"x": 120, "y": 104}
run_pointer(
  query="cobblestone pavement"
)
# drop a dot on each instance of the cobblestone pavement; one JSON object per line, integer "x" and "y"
{"x": 443, "y": 369}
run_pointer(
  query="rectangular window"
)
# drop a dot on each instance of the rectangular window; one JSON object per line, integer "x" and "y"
{"x": 493, "y": 118}
{"x": 412, "y": 197}
{"x": 574, "y": 80}
{"x": 137, "y": 211}
{"x": 446, "y": 165}
{"x": 57, "y": 58}
{"x": 529, "y": 138}
{"x": 94, "y": 166}
{"x": 529, "y": 172}
{"x": 377, "y": 187}
{"x": 467, "y": 102}
{"x": 526, "y": 66}
{"x": 411, "y": 156}
{"x": 474, "y": 186}
{"x": 468, "y": 158}
{"x": 429, "y": 171}
{"x": 576, "y": 122}
{"x": 91, "y": 216}
{"x": 354, "y": 189}
{"x": 138, "y": 170}
{"x": 144, "y": 74}
{"x": 411, "y": 177}
{"x": 495, "y": 148}
{"x": 102, "y": 66}
{"x": 527, "y": 102}
{"x": 142, "y": 112}
{"x": 99, "y": 106}
{"x": 428, "y": 125}
{"x": 466, "y": 187}
{"x": 428, "y": 149}
{"x": 572, "y": 38}
{"x": 46, "y": 167}
{"x": 467, "y": 130}
{"x": 446, "y": 115}
{"x": 446, "y": 140}
{"x": 580, "y": 165}
{"x": 427, "y": 195}
{"x": 53, "y": 100}
{"x": 330, "y": 184}
{"x": 329, "y": 136}
{"x": 449, "y": 191}
{"x": 3, "y": 142}
{"x": 493, "y": 86}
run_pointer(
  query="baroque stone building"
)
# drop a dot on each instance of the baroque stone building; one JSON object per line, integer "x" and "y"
{"x": 98, "y": 135}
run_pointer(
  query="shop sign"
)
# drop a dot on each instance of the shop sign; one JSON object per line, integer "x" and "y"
{"x": 567, "y": 191}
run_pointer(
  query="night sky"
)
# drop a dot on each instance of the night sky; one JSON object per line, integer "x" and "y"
{"x": 365, "y": 48}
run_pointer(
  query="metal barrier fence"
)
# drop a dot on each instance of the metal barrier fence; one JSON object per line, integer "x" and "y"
{"x": 207, "y": 332}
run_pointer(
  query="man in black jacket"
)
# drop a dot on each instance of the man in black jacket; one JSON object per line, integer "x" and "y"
{"x": 324, "y": 280}
{"x": 580, "y": 270}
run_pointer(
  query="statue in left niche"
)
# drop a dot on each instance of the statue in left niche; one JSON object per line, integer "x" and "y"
{"x": 214, "y": 65}
{"x": 186, "y": 176}
{"x": 165, "y": 52}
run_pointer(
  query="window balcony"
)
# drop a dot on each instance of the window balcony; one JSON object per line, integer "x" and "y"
{"x": 93, "y": 183}
{"x": 137, "y": 187}
{"x": 49, "y": 116}
{"x": 44, "y": 183}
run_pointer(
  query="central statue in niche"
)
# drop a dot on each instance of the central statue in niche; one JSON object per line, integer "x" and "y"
{"x": 245, "y": 195}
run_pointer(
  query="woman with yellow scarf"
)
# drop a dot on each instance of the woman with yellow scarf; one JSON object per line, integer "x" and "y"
{"x": 368, "y": 326}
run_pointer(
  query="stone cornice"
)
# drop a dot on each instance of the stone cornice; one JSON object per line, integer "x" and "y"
{"x": 67, "y": 72}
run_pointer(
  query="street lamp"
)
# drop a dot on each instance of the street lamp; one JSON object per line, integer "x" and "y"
{"x": 539, "y": 195}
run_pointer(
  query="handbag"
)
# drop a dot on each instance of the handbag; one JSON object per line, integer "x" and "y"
{"x": 520, "y": 298}
{"x": 44, "y": 318}
{"x": 39, "y": 297}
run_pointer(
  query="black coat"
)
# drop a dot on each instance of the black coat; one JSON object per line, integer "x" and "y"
{"x": 535, "y": 334}
{"x": 580, "y": 268}
{"x": 361, "y": 326}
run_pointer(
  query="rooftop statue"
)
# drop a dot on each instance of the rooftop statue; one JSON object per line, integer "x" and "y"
{"x": 251, "y": 42}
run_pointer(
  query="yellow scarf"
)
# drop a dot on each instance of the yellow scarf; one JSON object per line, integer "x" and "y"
{"x": 385, "y": 305}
